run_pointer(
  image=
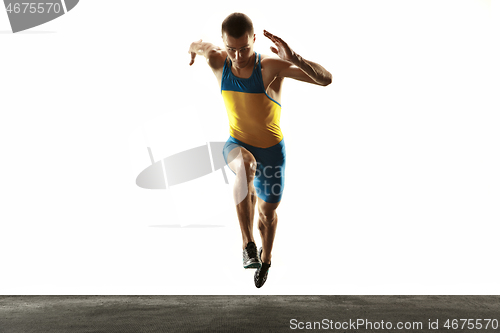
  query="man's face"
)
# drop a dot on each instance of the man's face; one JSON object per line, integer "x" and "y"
{"x": 239, "y": 50}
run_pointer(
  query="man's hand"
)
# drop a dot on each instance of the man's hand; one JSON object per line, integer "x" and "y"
{"x": 282, "y": 49}
{"x": 194, "y": 49}
{"x": 315, "y": 72}
{"x": 211, "y": 52}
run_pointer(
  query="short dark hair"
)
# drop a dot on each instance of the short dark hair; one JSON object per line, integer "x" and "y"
{"x": 236, "y": 25}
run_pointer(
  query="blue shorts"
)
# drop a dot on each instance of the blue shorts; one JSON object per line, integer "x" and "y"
{"x": 269, "y": 178}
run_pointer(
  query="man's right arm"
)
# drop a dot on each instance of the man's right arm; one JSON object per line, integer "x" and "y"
{"x": 211, "y": 52}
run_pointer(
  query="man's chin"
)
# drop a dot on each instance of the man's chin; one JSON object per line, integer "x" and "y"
{"x": 241, "y": 64}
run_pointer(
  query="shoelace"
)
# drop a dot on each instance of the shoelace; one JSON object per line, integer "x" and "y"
{"x": 263, "y": 269}
{"x": 251, "y": 251}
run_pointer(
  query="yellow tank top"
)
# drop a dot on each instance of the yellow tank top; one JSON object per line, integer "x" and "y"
{"x": 254, "y": 117}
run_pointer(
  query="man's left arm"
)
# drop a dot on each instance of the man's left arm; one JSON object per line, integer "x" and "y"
{"x": 305, "y": 70}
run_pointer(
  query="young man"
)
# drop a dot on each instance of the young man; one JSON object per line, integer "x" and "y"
{"x": 255, "y": 151}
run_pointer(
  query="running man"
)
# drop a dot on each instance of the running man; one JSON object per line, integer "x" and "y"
{"x": 255, "y": 151}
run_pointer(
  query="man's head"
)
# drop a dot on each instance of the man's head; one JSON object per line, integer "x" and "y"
{"x": 238, "y": 37}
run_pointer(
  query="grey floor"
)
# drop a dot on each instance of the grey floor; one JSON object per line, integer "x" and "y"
{"x": 236, "y": 313}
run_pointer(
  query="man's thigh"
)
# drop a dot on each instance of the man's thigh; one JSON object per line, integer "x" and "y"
{"x": 265, "y": 165}
{"x": 240, "y": 157}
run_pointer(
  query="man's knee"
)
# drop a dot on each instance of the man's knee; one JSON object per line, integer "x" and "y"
{"x": 267, "y": 218}
{"x": 244, "y": 164}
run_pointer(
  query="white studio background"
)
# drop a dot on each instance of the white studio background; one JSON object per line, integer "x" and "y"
{"x": 392, "y": 171}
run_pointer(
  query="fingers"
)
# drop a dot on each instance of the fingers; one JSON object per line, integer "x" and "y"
{"x": 274, "y": 50}
{"x": 193, "y": 55}
{"x": 272, "y": 37}
{"x": 192, "y": 45}
{"x": 269, "y": 35}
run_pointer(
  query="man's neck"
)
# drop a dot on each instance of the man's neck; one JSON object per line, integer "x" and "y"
{"x": 249, "y": 66}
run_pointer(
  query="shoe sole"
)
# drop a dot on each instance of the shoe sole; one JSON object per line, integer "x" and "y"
{"x": 252, "y": 265}
{"x": 257, "y": 280}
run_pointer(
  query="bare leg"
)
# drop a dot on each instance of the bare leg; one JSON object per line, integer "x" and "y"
{"x": 246, "y": 211}
{"x": 268, "y": 221}
{"x": 242, "y": 162}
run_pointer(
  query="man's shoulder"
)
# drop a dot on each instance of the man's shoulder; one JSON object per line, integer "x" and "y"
{"x": 271, "y": 62}
{"x": 267, "y": 58}
{"x": 216, "y": 58}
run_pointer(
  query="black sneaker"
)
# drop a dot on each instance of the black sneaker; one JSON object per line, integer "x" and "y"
{"x": 260, "y": 276}
{"x": 250, "y": 258}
